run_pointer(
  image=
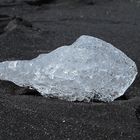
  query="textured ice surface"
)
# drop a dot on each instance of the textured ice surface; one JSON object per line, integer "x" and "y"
{"x": 90, "y": 68}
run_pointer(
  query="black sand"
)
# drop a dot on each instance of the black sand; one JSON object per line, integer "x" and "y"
{"x": 30, "y": 28}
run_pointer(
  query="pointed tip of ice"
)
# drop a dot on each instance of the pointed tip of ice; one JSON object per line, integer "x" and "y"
{"x": 86, "y": 41}
{"x": 84, "y": 37}
{"x": 88, "y": 38}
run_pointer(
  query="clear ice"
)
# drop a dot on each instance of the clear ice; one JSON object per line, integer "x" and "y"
{"x": 88, "y": 69}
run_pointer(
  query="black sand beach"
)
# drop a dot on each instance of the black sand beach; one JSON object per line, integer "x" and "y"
{"x": 29, "y": 28}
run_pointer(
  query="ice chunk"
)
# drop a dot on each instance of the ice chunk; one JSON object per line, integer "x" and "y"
{"x": 88, "y": 69}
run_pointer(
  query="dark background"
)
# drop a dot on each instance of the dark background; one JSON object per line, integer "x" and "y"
{"x": 31, "y": 27}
